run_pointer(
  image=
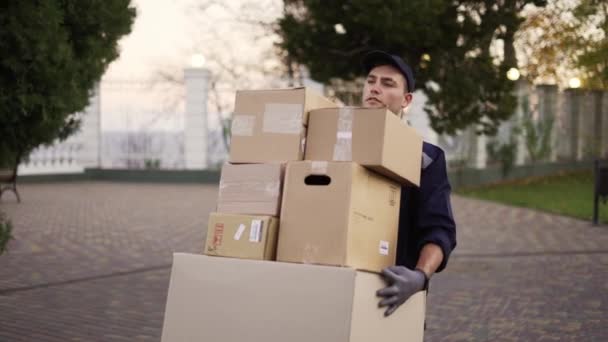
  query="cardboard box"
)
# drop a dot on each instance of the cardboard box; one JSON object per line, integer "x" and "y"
{"x": 242, "y": 236}
{"x": 270, "y": 125}
{"x": 374, "y": 138}
{"x": 253, "y": 189}
{"x": 233, "y": 300}
{"x": 351, "y": 221}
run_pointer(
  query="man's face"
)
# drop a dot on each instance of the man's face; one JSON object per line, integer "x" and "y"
{"x": 385, "y": 87}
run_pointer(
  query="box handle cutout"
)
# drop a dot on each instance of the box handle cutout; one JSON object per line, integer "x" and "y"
{"x": 317, "y": 180}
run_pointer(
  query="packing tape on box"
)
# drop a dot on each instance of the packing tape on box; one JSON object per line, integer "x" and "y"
{"x": 343, "y": 149}
{"x": 242, "y": 125}
{"x": 270, "y": 188}
{"x": 319, "y": 167}
{"x": 285, "y": 118}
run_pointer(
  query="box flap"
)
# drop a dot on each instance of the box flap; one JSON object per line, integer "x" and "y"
{"x": 406, "y": 142}
{"x": 406, "y": 324}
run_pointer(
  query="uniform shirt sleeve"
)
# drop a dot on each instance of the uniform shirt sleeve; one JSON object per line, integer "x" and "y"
{"x": 435, "y": 219}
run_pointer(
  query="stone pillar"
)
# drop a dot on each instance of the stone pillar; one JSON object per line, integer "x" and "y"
{"x": 89, "y": 137}
{"x": 599, "y": 139}
{"x": 522, "y": 91}
{"x": 195, "y": 121}
{"x": 587, "y": 129}
{"x": 547, "y": 110}
{"x": 480, "y": 160}
{"x": 604, "y": 126}
{"x": 476, "y": 148}
{"x": 571, "y": 108}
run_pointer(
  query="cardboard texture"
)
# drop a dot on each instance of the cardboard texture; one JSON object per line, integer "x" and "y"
{"x": 242, "y": 236}
{"x": 374, "y": 138}
{"x": 270, "y": 125}
{"x": 230, "y": 300}
{"x": 253, "y": 189}
{"x": 352, "y": 221}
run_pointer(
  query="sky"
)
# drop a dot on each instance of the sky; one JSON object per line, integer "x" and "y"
{"x": 165, "y": 36}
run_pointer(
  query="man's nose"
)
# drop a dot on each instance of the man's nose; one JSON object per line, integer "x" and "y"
{"x": 374, "y": 88}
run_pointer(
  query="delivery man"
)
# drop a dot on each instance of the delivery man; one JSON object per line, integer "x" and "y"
{"x": 427, "y": 231}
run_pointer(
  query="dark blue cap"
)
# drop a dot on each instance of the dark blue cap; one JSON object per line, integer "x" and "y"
{"x": 375, "y": 58}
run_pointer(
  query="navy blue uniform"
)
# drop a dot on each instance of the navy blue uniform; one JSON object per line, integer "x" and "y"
{"x": 426, "y": 213}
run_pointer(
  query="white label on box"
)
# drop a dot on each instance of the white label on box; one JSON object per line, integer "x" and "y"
{"x": 242, "y": 125}
{"x": 344, "y": 135}
{"x": 239, "y": 232}
{"x": 319, "y": 167}
{"x": 255, "y": 233}
{"x": 383, "y": 247}
{"x": 285, "y": 118}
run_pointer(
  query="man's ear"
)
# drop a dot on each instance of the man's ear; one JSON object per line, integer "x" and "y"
{"x": 407, "y": 99}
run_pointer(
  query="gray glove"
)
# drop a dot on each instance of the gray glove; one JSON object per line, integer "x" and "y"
{"x": 402, "y": 283}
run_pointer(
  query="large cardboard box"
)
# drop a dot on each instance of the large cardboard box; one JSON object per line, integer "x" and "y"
{"x": 233, "y": 300}
{"x": 270, "y": 125}
{"x": 338, "y": 213}
{"x": 242, "y": 236}
{"x": 253, "y": 189}
{"x": 375, "y": 138}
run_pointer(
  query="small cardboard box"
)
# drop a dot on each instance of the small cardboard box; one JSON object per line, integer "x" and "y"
{"x": 270, "y": 125}
{"x": 374, "y": 138}
{"x": 242, "y": 236}
{"x": 234, "y": 300}
{"x": 253, "y": 189}
{"x": 338, "y": 213}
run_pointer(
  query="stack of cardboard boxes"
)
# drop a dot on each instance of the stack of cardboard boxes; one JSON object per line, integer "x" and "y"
{"x": 309, "y": 187}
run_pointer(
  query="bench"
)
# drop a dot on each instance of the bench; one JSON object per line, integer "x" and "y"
{"x": 600, "y": 191}
{"x": 8, "y": 182}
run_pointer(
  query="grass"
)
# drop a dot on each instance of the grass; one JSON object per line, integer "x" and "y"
{"x": 568, "y": 194}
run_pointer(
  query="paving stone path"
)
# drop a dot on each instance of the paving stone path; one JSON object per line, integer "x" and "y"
{"x": 91, "y": 262}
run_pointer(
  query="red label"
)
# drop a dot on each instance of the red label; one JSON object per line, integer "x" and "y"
{"x": 218, "y": 234}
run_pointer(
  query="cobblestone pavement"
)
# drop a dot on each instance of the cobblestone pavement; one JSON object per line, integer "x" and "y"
{"x": 90, "y": 262}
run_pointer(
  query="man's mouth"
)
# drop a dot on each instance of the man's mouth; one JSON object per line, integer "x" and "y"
{"x": 369, "y": 99}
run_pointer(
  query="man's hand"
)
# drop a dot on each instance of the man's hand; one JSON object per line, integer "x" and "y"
{"x": 402, "y": 283}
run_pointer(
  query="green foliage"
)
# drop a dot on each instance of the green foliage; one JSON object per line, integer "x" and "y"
{"x": 6, "y": 227}
{"x": 537, "y": 134}
{"x": 566, "y": 38}
{"x": 592, "y": 60}
{"x": 7, "y": 157}
{"x": 503, "y": 152}
{"x": 151, "y": 164}
{"x": 52, "y": 53}
{"x": 446, "y": 42}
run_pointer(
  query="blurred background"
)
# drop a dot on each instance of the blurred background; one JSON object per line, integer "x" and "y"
{"x": 97, "y": 97}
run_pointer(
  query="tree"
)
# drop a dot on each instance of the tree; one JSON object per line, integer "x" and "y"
{"x": 248, "y": 61}
{"x": 592, "y": 23}
{"x": 565, "y": 39}
{"x": 52, "y": 54}
{"x": 460, "y": 50}
{"x": 537, "y": 132}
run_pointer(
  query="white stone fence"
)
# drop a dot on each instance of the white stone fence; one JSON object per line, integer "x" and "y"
{"x": 56, "y": 159}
